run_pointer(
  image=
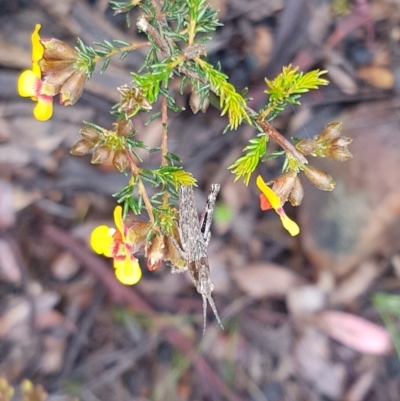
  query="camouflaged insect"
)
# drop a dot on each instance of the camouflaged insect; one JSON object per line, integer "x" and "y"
{"x": 195, "y": 236}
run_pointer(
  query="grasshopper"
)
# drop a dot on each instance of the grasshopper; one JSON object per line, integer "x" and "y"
{"x": 195, "y": 236}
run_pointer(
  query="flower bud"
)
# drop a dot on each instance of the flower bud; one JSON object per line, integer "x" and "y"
{"x": 120, "y": 160}
{"x": 58, "y": 78}
{"x": 132, "y": 100}
{"x": 320, "y": 179}
{"x": 171, "y": 254}
{"x": 155, "y": 252}
{"x": 82, "y": 148}
{"x": 193, "y": 51}
{"x": 90, "y": 134}
{"x": 194, "y": 101}
{"x": 342, "y": 141}
{"x": 72, "y": 88}
{"x": 56, "y": 49}
{"x": 306, "y": 146}
{"x": 296, "y": 196}
{"x": 330, "y": 132}
{"x": 125, "y": 128}
{"x": 283, "y": 185}
{"x": 101, "y": 154}
{"x": 338, "y": 153}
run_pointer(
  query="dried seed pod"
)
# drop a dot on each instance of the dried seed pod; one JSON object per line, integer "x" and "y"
{"x": 82, "y": 148}
{"x": 58, "y": 50}
{"x": 320, "y": 179}
{"x": 306, "y": 146}
{"x": 330, "y": 132}
{"x": 125, "y": 128}
{"x": 155, "y": 252}
{"x": 196, "y": 50}
{"x": 72, "y": 88}
{"x": 194, "y": 101}
{"x": 90, "y": 134}
{"x": 342, "y": 141}
{"x": 296, "y": 196}
{"x": 120, "y": 160}
{"x": 283, "y": 185}
{"x": 338, "y": 153}
{"x": 101, "y": 154}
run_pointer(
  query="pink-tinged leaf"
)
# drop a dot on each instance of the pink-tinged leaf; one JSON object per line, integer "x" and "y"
{"x": 356, "y": 333}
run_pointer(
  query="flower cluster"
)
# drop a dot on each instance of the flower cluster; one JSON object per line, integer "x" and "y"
{"x": 132, "y": 101}
{"x": 328, "y": 143}
{"x": 106, "y": 143}
{"x": 288, "y": 187}
{"x": 63, "y": 71}
{"x": 122, "y": 242}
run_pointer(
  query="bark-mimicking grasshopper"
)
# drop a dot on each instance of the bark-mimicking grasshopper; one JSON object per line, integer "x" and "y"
{"x": 195, "y": 236}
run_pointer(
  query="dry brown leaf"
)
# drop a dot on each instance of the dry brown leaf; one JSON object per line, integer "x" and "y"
{"x": 7, "y": 215}
{"x": 53, "y": 354}
{"x": 306, "y": 299}
{"x": 9, "y": 268}
{"x": 357, "y": 283}
{"x": 355, "y": 332}
{"x": 51, "y": 318}
{"x": 380, "y": 77}
{"x": 262, "y": 45}
{"x": 360, "y": 388}
{"x": 261, "y": 280}
{"x": 18, "y": 313}
{"x": 313, "y": 356}
{"x": 64, "y": 267}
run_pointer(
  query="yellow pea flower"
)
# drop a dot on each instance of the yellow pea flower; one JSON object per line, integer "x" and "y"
{"x": 113, "y": 243}
{"x": 269, "y": 199}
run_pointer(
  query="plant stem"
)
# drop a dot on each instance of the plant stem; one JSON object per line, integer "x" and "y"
{"x": 280, "y": 140}
{"x": 141, "y": 188}
{"x": 129, "y": 48}
{"x": 164, "y": 138}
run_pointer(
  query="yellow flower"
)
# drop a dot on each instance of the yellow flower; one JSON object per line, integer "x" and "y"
{"x": 63, "y": 74}
{"x": 30, "y": 84}
{"x": 269, "y": 199}
{"x": 113, "y": 243}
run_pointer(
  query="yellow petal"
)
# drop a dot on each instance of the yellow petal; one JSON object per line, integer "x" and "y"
{"x": 28, "y": 84}
{"x": 119, "y": 222}
{"x": 128, "y": 271}
{"x": 37, "y": 47}
{"x": 289, "y": 224}
{"x": 44, "y": 109}
{"x": 268, "y": 192}
{"x": 36, "y": 69}
{"x": 101, "y": 240}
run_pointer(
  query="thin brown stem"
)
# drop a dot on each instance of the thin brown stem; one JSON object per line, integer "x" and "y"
{"x": 129, "y": 48}
{"x": 164, "y": 138}
{"x": 164, "y": 131}
{"x": 141, "y": 188}
{"x": 281, "y": 140}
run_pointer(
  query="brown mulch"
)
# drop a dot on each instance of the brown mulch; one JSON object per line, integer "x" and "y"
{"x": 299, "y": 320}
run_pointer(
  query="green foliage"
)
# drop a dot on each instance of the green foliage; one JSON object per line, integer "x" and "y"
{"x": 231, "y": 102}
{"x": 245, "y": 165}
{"x": 288, "y": 86}
{"x": 175, "y": 34}
{"x": 202, "y": 17}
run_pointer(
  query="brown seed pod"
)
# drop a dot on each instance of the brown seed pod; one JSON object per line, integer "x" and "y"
{"x": 320, "y": 179}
